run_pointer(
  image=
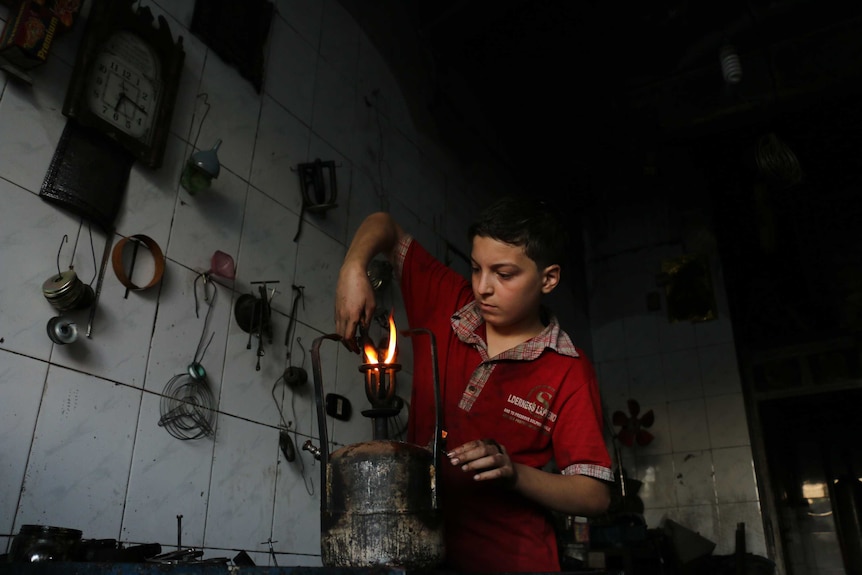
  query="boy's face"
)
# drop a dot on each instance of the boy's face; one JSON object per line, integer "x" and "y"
{"x": 508, "y": 285}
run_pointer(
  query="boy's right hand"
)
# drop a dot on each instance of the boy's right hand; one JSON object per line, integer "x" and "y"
{"x": 354, "y": 303}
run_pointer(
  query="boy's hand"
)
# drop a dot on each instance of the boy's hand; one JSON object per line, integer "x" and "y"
{"x": 486, "y": 459}
{"x": 354, "y": 303}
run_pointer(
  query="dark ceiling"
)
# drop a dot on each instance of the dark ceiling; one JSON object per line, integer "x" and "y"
{"x": 593, "y": 74}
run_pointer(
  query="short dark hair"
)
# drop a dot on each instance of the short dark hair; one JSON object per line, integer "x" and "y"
{"x": 527, "y": 222}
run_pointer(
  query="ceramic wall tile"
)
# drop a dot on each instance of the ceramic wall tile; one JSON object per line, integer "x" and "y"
{"x": 728, "y": 423}
{"x": 34, "y": 111}
{"x": 22, "y": 381}
{"x": 675, "y": 336}
{"x": 169, "y": 477}
{"x": 660, "y": 429}
{"x": 377, "y": 80}
{"x": 151, "y": 196}
{"x": 233, "y": 115}
{"x": 730, "y": 516}
{"x": 374, "y": 143}
{"x": 339, "y": 40}
{"x": 734, "y": 475}
{"x": 610, "y": 291}
{"x": 184, "y": 332}
{"x": 613, "y": 378}
{"x": 404, "y": 188}
{"x": 645, "y": 379}
{"x": 688, "y": 425}
{"x": 191, "y": 103}
{"x": 247, "y": 391}
{"x": 681, "y": 372}
{"x": 431, "y": 183}
{"x": 268, "y": 251}
{"x": 31, "y": 237}
{"x": 298, "y": 402}
{"x": 608, "y": 340}
{"x": 719, "y": 369}
{"x": 208, "y": 221}
{"x": 179, "y": 10}
{"x": 654, "y": 517}
{"x": 702, "y": 519}
{"x": 657, "y": 475}
{"x": 304, "y": 16}
{"x": 333, "y": 221}
{"x": 641, "y": 332}
{"x": 317, "y": 264}
{"x": 244, "y": 474}
{"x": 291, "y": 69}
{"x": 333, "y": 116}
{"x": 79, "y": 462}
{"x": 296, "y": 515}
{"x": 714, "y": 332}
{"x": 363, "y": 201}
{"x": 693, "y": 477}
{"x": 282, "y": 144}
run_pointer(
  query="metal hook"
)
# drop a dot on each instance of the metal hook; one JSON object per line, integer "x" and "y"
{"x": 64, "y": 240}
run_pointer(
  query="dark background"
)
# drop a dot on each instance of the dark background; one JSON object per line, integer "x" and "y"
{"x": 579, "y": 97}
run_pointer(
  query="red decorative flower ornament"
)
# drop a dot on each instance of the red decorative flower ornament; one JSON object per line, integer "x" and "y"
{"x": 632, "y": 429}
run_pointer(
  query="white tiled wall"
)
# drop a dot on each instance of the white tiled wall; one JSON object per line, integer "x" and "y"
{"x": 80, "y": 444}
{"x": 698, "y": 471}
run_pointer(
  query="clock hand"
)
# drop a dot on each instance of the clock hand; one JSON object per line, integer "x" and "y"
{"x": 123, "y": 96}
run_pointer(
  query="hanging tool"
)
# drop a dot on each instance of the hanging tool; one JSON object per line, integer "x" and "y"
{"x": 264, "y": 323}
{"x": 106, "y": 255}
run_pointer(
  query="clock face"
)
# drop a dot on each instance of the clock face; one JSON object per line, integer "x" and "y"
{"x": 124, "y": 85}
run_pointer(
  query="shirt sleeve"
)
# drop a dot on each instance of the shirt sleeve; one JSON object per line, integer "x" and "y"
{"x": 432, "y": 291}
{"x": 579, "y": 443}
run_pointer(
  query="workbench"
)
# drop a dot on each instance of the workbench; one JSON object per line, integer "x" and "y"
{"x": 83, "y": 568}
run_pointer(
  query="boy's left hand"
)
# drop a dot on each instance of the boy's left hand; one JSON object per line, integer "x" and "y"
{"x": 486, "y": 459}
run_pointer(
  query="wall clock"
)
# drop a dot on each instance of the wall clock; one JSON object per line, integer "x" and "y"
{"x": 126, "y": 76}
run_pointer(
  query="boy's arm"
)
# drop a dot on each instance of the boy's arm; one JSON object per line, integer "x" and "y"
{"x": 354, "y": 297}
{"x": 572, "y": 494}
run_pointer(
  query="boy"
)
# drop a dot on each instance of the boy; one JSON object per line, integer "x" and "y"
{"x": 517, "y": 395}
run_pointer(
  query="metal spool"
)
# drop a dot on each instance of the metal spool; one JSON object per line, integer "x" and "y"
{"x": 62, "y": 331}
{"x": 66, "y": 292}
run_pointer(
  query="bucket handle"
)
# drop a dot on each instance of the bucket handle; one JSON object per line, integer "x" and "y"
{"x": 437, "y": 443}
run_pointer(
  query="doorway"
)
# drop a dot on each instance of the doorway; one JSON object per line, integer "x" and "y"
{"x": 812, "y": 449}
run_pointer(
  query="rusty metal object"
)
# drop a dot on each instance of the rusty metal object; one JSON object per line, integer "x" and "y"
{"x": 381, "y": 507}
{"x": 379, "y": 502}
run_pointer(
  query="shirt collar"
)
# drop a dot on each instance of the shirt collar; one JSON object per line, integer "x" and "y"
{"x": 467, "y": 321}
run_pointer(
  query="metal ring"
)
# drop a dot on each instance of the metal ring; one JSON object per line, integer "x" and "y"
{"x": 158, "y": 259}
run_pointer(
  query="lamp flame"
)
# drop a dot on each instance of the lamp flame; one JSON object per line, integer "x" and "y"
{"x": 371, "y": 355}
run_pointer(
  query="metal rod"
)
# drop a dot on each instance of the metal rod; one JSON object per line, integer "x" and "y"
{"x": 321, "y": 416}
{"x": 106, "y": 255}
{"x": 179, "y": 532}
{"x": 135, "y": 244}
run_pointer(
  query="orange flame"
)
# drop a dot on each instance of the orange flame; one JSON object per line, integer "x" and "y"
{"x": 370, "y": 351}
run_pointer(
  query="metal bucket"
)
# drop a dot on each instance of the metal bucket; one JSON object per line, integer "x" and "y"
{"x": 378, "y": 501}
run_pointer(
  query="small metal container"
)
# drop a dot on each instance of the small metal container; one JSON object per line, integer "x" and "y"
{"x": 37, "y": 543}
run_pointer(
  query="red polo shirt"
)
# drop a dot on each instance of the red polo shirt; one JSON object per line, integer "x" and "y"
{"x": 539, "y": 400}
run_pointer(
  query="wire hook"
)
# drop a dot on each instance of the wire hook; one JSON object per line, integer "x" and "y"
{"x": 64, "y": 240}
